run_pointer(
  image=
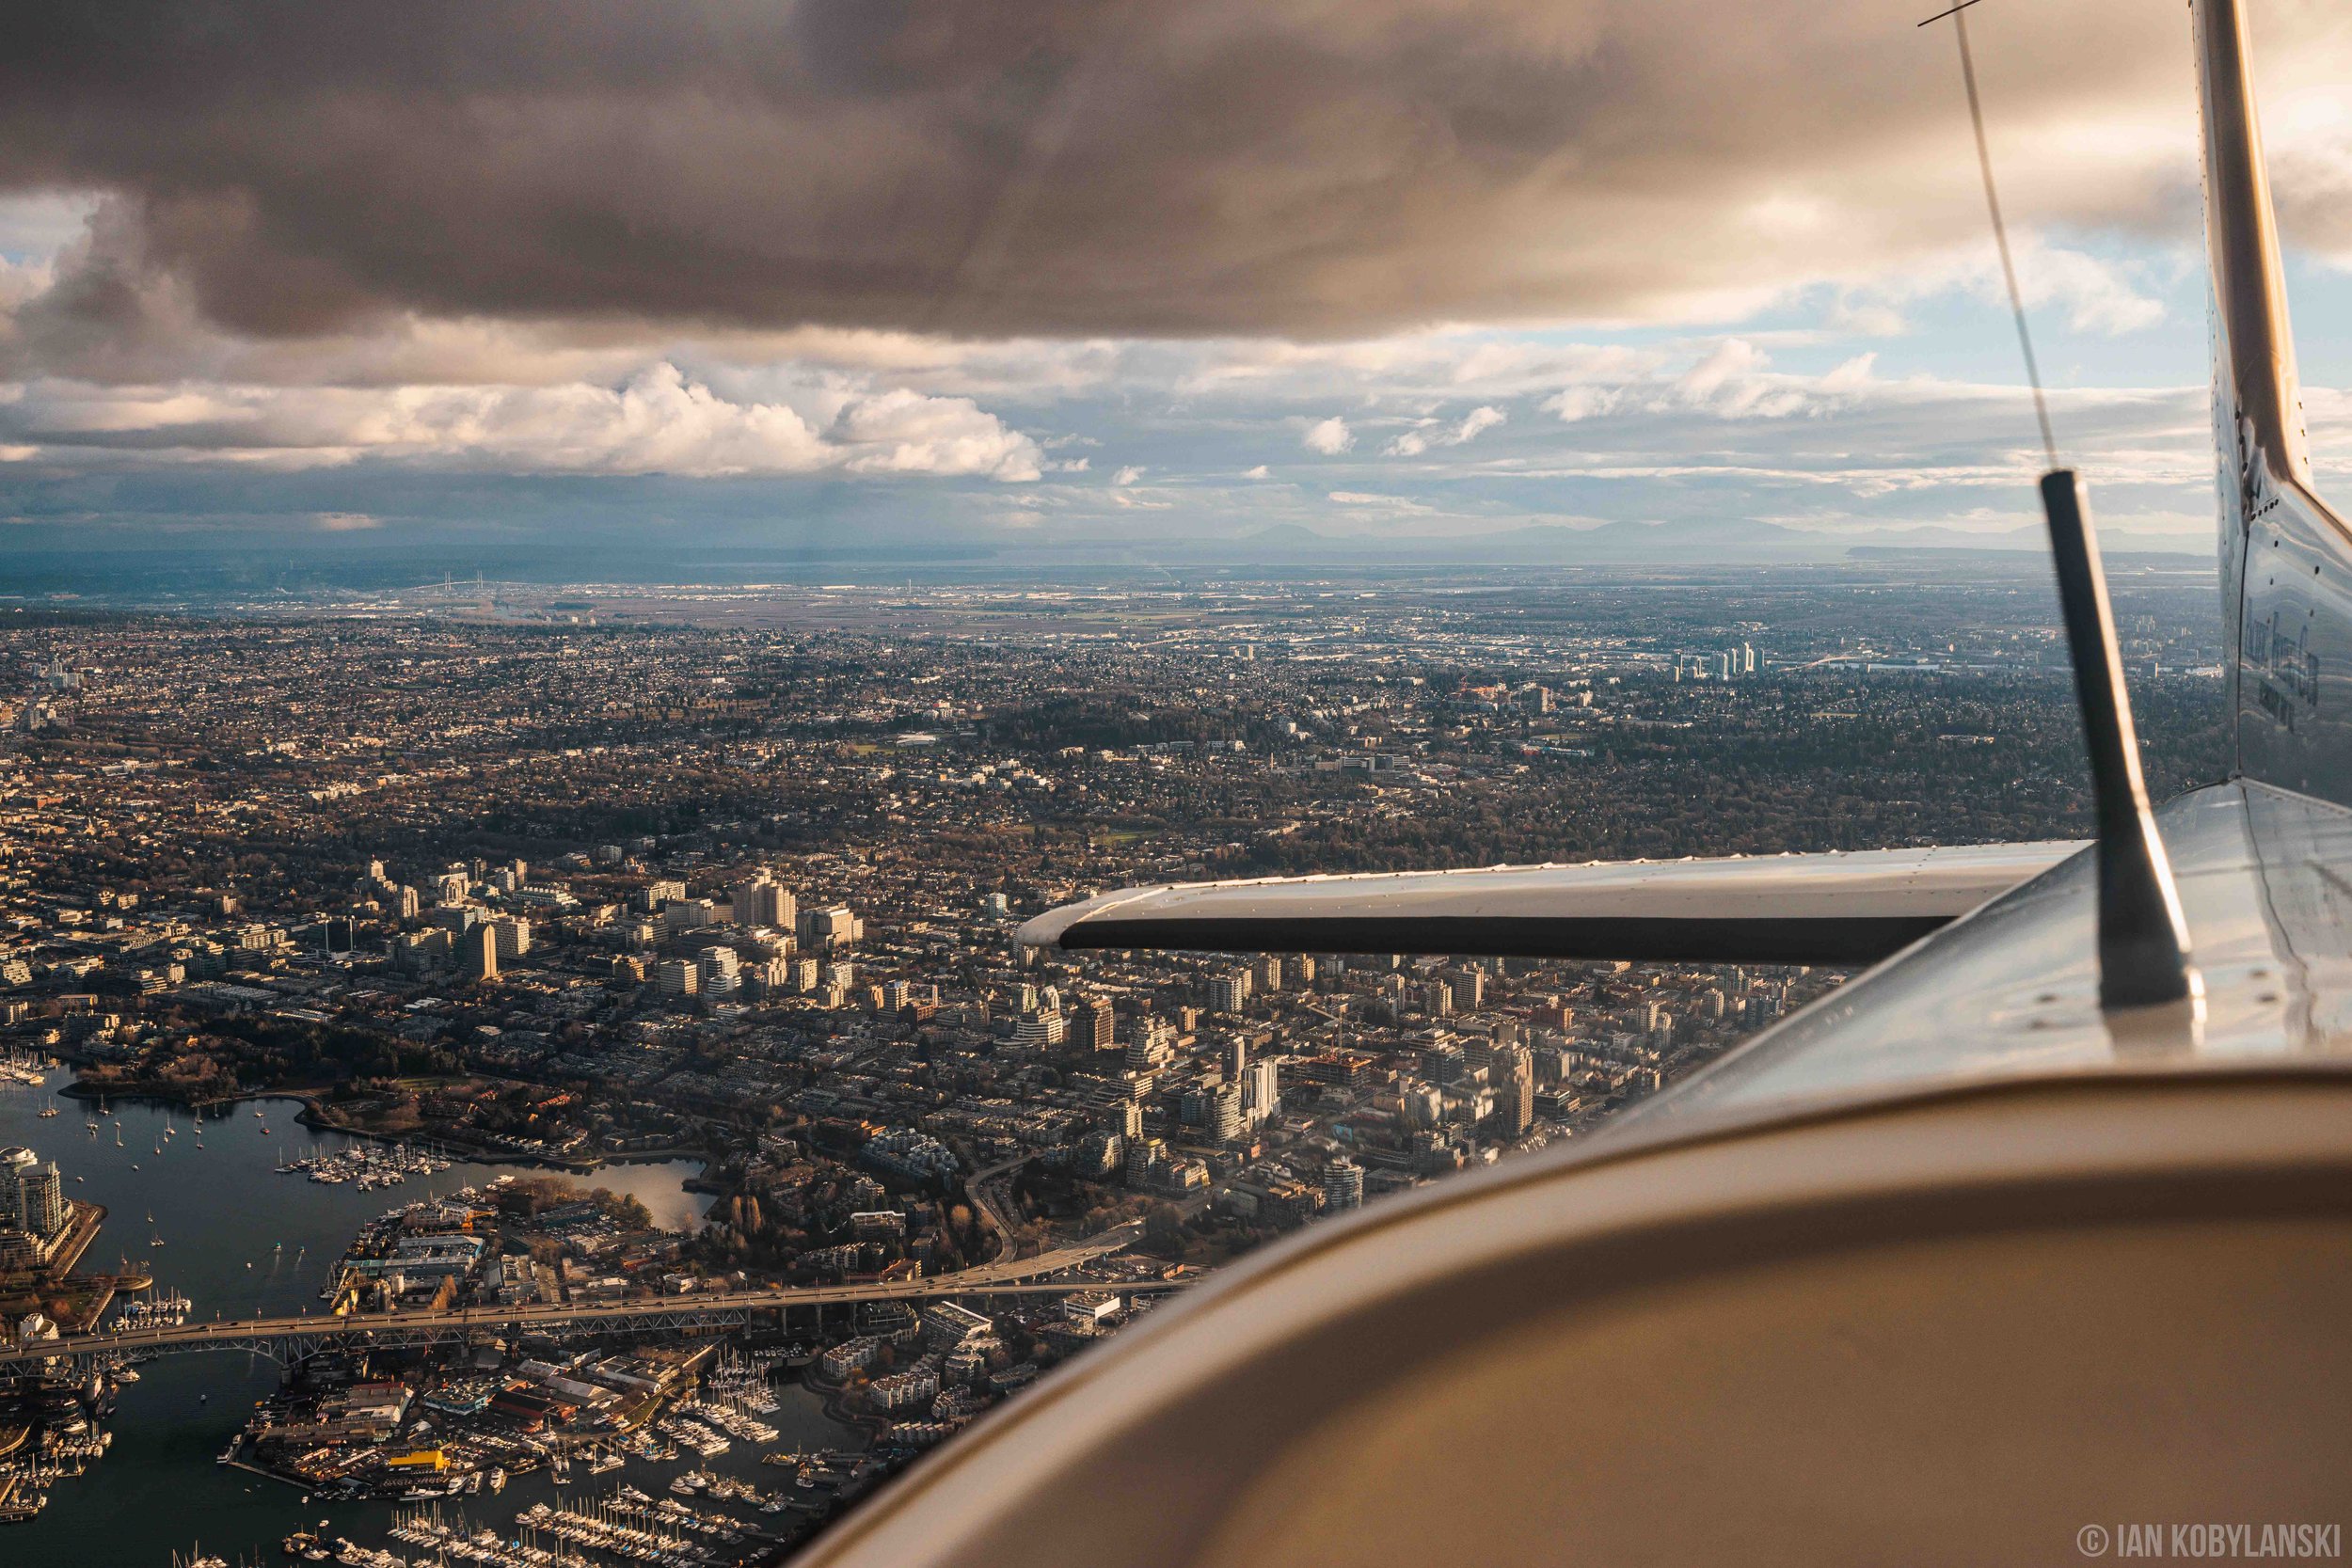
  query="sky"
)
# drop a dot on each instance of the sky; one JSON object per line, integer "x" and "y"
{"x": 884, "y": 272}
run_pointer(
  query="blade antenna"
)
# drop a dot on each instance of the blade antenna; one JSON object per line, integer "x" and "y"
{"x": 2143, "y": 937}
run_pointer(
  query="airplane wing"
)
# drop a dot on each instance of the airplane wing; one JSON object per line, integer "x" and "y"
{"x": 1972, "y": 1260}
{"x": 1826, "y": 908}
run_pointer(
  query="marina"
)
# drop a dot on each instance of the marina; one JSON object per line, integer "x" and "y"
{"x": 160, "y": 1487}
{"x": 368, "y": 1166}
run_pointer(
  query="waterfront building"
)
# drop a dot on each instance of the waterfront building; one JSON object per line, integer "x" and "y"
{"x": 38, "y": 1194}
{"x": 946, "y": 1325}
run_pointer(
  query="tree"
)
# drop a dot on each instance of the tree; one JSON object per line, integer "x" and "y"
{"x": 1164, "y": 1231}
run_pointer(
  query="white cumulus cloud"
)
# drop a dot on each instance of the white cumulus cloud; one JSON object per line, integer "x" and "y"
{"x": 658, "y": 422}
{"x": 1329, "y": 437}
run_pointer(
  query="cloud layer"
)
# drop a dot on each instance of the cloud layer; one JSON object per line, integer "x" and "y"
{"x": 657, "y": 422}
{"x": 1081, "y": 166}
{"x": 1096, "y": 269}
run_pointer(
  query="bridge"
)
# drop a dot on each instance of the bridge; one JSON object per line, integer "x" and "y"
{"x": 291, "y": 1339}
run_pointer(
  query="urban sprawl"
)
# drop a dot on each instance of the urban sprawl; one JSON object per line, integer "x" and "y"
{"x": 572, "y": 879}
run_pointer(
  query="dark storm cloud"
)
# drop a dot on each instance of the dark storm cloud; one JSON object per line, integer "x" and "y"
{"x": 995, "y": 166}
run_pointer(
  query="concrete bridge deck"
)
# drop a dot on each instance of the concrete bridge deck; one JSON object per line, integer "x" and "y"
{"x": 1021, "y": 1276}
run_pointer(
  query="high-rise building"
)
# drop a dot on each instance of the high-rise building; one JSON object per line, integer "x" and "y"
{"x": 1225, "y": 1117}
{"x": 762, "y": 902}
{"x": 1261, "y": 1091}
{"x": 1229, "y": 993}
{"x": 14, "y": 1162}
{"x": 1511, "y": 1073}
{"x": 1150, "y": 1045}
{"x": 1096, "y": 1024}
{"x": 719, "y": 973}
{"x": 1040, "y": 1028}
{"x": 513, "y": 938}
{"x": 834, "y": 925}
{"x": 1144, "y": 1157}
{"x": 1130, "y": 1120}
{"x": 1342, "y": 1185}
{"x": 41, "y": 1199}
{"x": 1268, "y": 973}
{"x": 678, "y": 978}
{"x": 478, "y": 950}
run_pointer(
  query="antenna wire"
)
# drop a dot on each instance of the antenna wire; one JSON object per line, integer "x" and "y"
{"x": 2001, "y": 236}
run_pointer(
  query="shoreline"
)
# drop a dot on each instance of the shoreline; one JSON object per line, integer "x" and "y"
{"x": 315, "y": 1115}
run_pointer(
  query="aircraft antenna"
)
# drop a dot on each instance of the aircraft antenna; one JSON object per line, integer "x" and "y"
{"x": 2143, "y": 937}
